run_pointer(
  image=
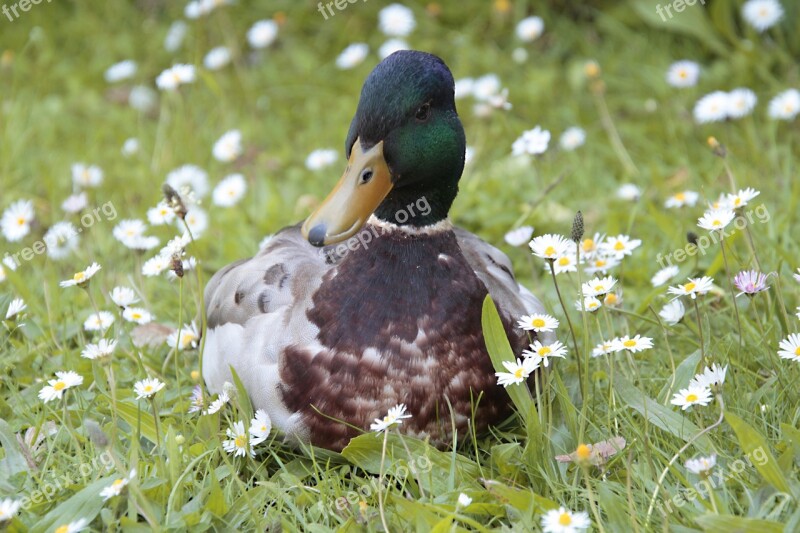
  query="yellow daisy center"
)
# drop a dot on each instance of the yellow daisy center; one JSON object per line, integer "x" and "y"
{"x": 80, "y": 276}
{"x": 117, "y": 483}
{"x": 611, "y": 298}
{"x": 518, "y": 372}
{"x": 619, "y": 246}
{"x": 599, "y": 288}
{"x": 680, "y": 196}
{"x": 62, "y": 529}
{"x": 240, "y": 441}
{"x": 564, "y": 261}
{"x": 738, "y": 201}
{"x": 537, "y": 323}
{"x": 21, "y": 221}
{"x": 588, "y": 245}
{"x": 544, "y": 351}
{"x": 136, "y": 316}
{"x": 60, "y": 385}
{"x": 583, "y": 452}
{"x": 564, "y": 519}
{"x": 600, "y": 263}
{"x": 683, "y": 74}
{"x": 716, "y": 222}
{"x": 550, "y": 251}
{"x": 691, "y": 397}
{"x": 797, "y": 351}
{"x": 689, "y": 287}
{"x": 148, "y": 388}
{"x": 630, "y": 343}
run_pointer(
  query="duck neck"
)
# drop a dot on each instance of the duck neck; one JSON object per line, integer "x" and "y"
{"x": 416, "y": 207}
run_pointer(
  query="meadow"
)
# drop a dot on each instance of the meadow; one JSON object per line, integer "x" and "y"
{"x": 648, "y": 156}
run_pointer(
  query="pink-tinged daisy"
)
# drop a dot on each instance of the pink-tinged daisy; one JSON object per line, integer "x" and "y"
{"x": 620, "y": 246}
{"x": 394, "y": 417}
{"x": 260, "y": 426}
{"x": 563, "y": 520}
{"x": 598, "y": 286}
{"x": 81, "y": 278}
{"x": 147, "y": 387}
{"x": 693, "y": 287}
{"x": 55, "y": 388}
{"x": 542, "y": 353}
{"x": 681, "y": 199}
{"x": 750, "y": 282}
{"x": 538, "y": 323}
{"x": 635, "y": 344}
{"x": 196, "y": 403}
{"x": 693, "y": 395}
{"x": 518, "y": 371}
{"x": 790, "y": 347}
{"x": 237, "y": 442}
{"x": 549, "y": 246}
{"x": 716, "y": 219}
{"x": 701, "y": 465}
{"x": 711, "y": 376}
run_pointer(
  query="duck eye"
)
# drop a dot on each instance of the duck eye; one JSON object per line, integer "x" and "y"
{"x": 423, "y": 112}
{"x": 365, "y": 177}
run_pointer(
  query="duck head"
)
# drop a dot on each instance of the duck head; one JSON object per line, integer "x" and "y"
{"x": 405, "y": 147}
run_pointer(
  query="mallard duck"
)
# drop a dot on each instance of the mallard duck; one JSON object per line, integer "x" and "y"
{"x": 375, "y": 300}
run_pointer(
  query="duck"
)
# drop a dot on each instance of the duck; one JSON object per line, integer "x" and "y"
{"x": 375, "y": 299}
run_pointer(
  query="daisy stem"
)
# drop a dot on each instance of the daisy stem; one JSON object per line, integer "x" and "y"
{"x": 592, "y": 499}
{"x": 112, "y": 387}
{"x": 700, "y": 332}
{"x": 152, "y": 401}
{"x": 571, "y": 329}
{"x": 730, "y": 284}
{"x": 380, "y": 481}
{"x": 669, "y": 351}
{"x": 729, "y": 173}
{"x": 584, "y": 357}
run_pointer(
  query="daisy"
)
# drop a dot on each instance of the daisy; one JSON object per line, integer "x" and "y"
{"x": 236, "y": 443}
{"x": 572, "y": 138}
{"x": 463, "y": 87}
{"x": 741, "y": 198}
{"x": 391, "y": 46}
{"x": 485, "y": 87}
{"x": 197, "y": 220}
{"x": 260, "y": 426}
{"x": 539, "y": 323}
{"x": 604, "y": 348}
{"x": 175, "y": 76}
{"x": 590, "y": 304}
{"x": 120, "y": 71}
{"x": 620, "y": 246}
{"x": 16, "y": 220}
{"x": 262, "y": 34}
{"x": 175, "y": 35}
{"x": 81, "y": 278}
{"x": 216, "y": 405}
{"x": 591, "y": 245}
{"x": 701, "y": 465}
{"x": 741, "y": 102}
{"x": 196, "y": 403}
{"x": 176, "y": 245}
{"x": 130, "y": 147}
{"x": 352, "y": 56}
{"x": 542, "y": 353}
{"x": 128, "y": 230}
{"x": 598, "y": 286}
{"x": 693, "y": 395}
{"x": 123, "y": 296}
{"x": 147, "y": 387}
{"x": 137, "y": 315}
{"x": 712, "y": 107}
{"x": 519, "y": 236}
{"x": 681, "y": 199}
{"x": 790, "y": 347}
{"x": 693, "y": 287}
{"x": 635, "y": 344}
{"x": 55, "y": 388}
{"x": 217, "y": 58}
{"x": 9, "y": 263}
{"x": 75, "y": 203}
{"x": 86, "y": 175}
{"x": 714, "y": 375}
{"x": 673, "y": 312}
{"x": 564, "y": 263}
{"x": 98, "y": 321}
{"x": 396, "y": 20}
{"x": 116, "y": 488}
{"x": 664, "y": 275}
{"x": 762, "y": 14}
{"x": 9, "y": 509}
{"x": 785, "y": 106}
{"x": 796, "y": 276}
{"x": 395, "y": 416}
{"x": 103, "y": 348}
{"x": 228, "y": 147}
{"x": 750, "y": 282}
{"x": 72, "y": 527}
{"x": 549, "y": 246}
{"x": 562, "y": 520}
{"x": 229, "y": 191}
{"x": 629, "y": 192}
{"x": 469, "y": 155}
{"x": 518, "y": 371}
{"x": 613, "y": 299}
{"x": 189, "y": 176}
{"x": 321, "y": 158}
{"x": 464, "y": 500}
{"x": 189, "y": 337}
{"x": 156, "y": 265}
{"x": 531, "y": 142}
{"x": 601, "y": 263}
{"x": 716, "y": 220}
{"x": 16, "y": 306}
{"x": 160, "y": 214}
{"x": 683, "y": 74}
{"x": 529, "y": 29}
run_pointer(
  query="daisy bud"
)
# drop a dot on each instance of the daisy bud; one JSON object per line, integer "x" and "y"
{"x": 717, "y": 148}
{"x": 195, "y": 375}
{"x": 691, "y": 237}
{"x": 174, "y": 201}
{"x": 96, "y": 433}
{"x": 577, "y": 227}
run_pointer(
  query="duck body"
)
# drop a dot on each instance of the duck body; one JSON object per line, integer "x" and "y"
{"x": 367, "y": 306}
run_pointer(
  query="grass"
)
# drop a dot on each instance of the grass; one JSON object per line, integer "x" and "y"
{"x": 56, "y": 109}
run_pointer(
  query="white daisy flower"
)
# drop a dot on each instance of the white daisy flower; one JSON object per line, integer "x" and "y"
{"x": 61, "y": 239}
{"x": 742, "y": 198}
{"x": 72, "y": 527}
{"x": 394, "y": 417}
{"x": 464, "y": 500}
{"x": 160, "y": 214}
{"x": 16, "y": 306}
{"x": 82, "y": 278}
{"x": 629, "y": 192}
{"x": 396, "y": 20}
{"x": 562, "y": 520}
{"x": 664, "y": 275}
{"x": 681, "y": 199}
{"x": 673, "y": 312}
{"x": 762, "y": 14}
{"x": 711, "y": 376}
{"x": 55, "y": 388}
{"x": 123, "y": 296}
{"x": 215, "y": 406}
{"x": 518, "y": 371}
{"x": 391, "y": 46}
{"x": 130, "y": 147}
{"x": 129, "y": 230}
{"x": 260, "y": 426}
{"x": 604, "y": 348}
{"x": 572, "y": 138}
{"x": 540, "y": 323}
{"x": 229, "y": 191}
{"x": 613, "y": 299}
{"x": 147, "y": 387}
{"x": 741, "y": 102}
{"x": 228, "y": 147}
{"x": 519, "y": 236}
{"x": 567, "y": 262}
{"x": 103, "y": 348}
{"x": 712, "y": 107}
{"x": 189, "y": 176}
{"x": 531, "y": 142}
{"x": 175, "y": 76}
{"x": 463, "y": 87}
{"x": 156, "y": 265}
{"x": 321, "y": 158}
{"x": 142, "y": 98}
{"x": 598, "y": 286}
{"x": 690, "y": 396}
{"x": 237, "y": 442}
{"x": 785, "y": 106}
{"x": 217, "y": 58}
{"x": 75, "y": 203}
{"x": 485, "y": 87}
{"x": 790, "y": 347}
{"x": 116, "y": 488}
{"x": 9, "y": 263}
{"x": 120, "y": 71}
{"x": 16, "y": 220}
{"x": 590, "y": 304}
{"x": 701, "y": 465}
{"x": 176, "y": 246}
{"x": 529, "y": 29}
{"x": 620, "y": 246}
{"x": 197, "y": 220}
{"x": 137, "y": 315}
{"x": 189, "y": 337}
{"x": 469, "y": 155}
{"x": 175, "y": 35}
{"x": 550, "y": 246}
{"x": 716, "y": 219}
{"x": 542, "y": 353}
{"x": 262, "y": 34}
{"x": 98, "y": 321}
{"x": 635, "y": 344}
{"x": 683, "y": 74}
{"x": 352, "y": 56}
{"x": 601, "y": 263}
{"x": 9, "y": 509}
